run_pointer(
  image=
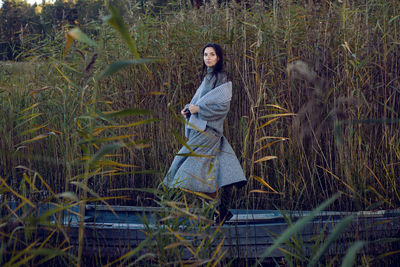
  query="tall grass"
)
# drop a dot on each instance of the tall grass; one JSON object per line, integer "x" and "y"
{"x": 329, "y": 124}
{"x": 344, "y": 134}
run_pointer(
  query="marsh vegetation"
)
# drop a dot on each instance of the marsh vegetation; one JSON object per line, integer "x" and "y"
{"x": 93, "y": 117}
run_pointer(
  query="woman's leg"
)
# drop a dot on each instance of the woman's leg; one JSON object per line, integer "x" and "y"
{"x": 224, "y": 199}
{"x": 222, "y": 196}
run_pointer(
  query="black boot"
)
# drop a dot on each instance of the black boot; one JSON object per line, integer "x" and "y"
{"x": 223, "y": 216}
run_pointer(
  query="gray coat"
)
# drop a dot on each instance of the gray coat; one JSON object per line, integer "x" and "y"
{"x": 212, "y": 162}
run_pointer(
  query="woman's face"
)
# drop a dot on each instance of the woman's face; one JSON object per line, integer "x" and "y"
{"x": 210, "y": 57}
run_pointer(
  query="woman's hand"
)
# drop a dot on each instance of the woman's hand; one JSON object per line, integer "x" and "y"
{"x": 185, "y": 112}
{"x": 193, "y": 109}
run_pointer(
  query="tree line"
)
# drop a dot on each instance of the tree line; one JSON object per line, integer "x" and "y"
{"x": 26, "y": 29}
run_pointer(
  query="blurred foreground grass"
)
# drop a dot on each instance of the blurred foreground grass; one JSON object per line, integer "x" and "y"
{"x": 65, "y": 130}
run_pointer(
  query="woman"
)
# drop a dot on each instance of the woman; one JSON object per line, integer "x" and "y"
{"x": 210, "y": 163}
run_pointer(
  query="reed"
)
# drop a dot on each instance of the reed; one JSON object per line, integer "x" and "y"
{"x": 344, "y": 136}
{"x": 314, "y": 111}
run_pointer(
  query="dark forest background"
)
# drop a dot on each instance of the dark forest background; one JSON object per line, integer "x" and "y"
{"x": 26, "y": 27}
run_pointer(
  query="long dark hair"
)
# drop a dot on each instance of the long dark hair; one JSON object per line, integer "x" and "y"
{"x": 219, "y": 67}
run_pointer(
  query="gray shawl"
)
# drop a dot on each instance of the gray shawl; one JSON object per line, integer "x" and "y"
{"x": 218, "y": 97}
{"x": 219, "y": 165}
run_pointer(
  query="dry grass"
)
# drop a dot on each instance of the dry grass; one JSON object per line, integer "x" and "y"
{"x": 314, "y": 111}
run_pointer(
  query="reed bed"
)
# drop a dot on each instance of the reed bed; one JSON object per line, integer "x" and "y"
{"x": 314, "y": 111}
